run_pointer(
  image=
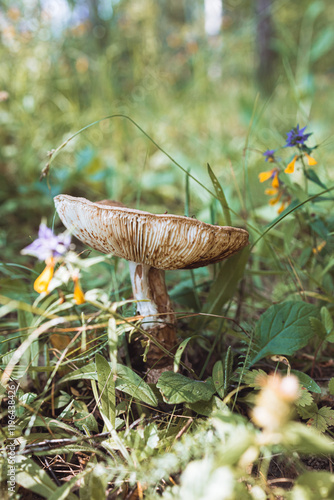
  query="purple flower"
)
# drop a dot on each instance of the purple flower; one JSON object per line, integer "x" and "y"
{"x": 296, "y": 137}
{"x": 269, "y": 155}
{"x": 48, "y": 244}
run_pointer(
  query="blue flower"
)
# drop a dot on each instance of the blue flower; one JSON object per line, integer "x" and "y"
{"x": 269, "y": 155}
{"x": 48, "y": 245}
{"x": 296, "y": 137}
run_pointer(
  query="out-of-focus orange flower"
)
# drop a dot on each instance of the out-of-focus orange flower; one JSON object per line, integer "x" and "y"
{"x": 270, "y": 174}
{"x": 319, "y": 247}
{"x": 82, "y": 64}
{"x": 291, "y": 166}
{"x": 41, "y": 284}
{"x": 310, "y": 160}
{"x": 79, "y": 296}
{"x": 14, "y": 13}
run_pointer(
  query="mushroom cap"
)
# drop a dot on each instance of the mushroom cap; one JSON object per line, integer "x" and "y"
{"x": 163, "y": 241}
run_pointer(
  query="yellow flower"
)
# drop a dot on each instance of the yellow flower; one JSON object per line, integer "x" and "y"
{"x": 311, "y": 161}
{"x": 270, "y": 174}
{"x": 291, "y": 166}
{"x": 273, "y": 201}
{"x": 42, "y": 282}
{"x": 319, "y": 247}
{"x": 281, "y": 208}
{"x": 275, "y": 183}
{"x": 271, "y": 191}
{"x": 79, "y": 296}
{"x": 264, "y": 176}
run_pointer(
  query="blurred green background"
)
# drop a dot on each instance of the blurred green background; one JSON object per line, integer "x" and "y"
{"x": 209, "y": 81}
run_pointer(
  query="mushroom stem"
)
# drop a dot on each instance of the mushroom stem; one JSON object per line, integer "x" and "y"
{"x": 149, "y": 288}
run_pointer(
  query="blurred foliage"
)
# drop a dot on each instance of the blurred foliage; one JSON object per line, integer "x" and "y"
{"x": 203, "y": 100}
{"x": 66, "y": 65}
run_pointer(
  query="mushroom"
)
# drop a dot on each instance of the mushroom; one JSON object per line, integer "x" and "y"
{"x": 152, "y": 244}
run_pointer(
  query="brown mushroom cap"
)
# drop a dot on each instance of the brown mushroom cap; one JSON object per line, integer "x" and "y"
{"x": 163, "y": 241}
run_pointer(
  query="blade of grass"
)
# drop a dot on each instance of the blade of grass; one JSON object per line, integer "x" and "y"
{"x": 221, "y": 196}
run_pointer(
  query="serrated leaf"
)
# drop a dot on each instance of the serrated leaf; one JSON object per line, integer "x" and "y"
{"x": 331, "y": 386}
{"x": 327, "y": 414}
{"x": 176, "y": 388}
{"x": 318, "y": 328}
{"x": 218, "y": 377}
{"x": 255, "y": 378}
{"x": 308, "y": 411}
{"x": 307, "y": 381}
{"x": 305, "y": 398}
{"x": 283, "y": 329}
{"x": 320, "y": 418}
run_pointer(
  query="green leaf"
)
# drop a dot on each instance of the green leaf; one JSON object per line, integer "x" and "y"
{"x": 106, "y": 384}
{"x": 87, "y": 372}
{"x": 30, "y": 476}
{"x": 318, "y": 328}
{"x": 64, "y": 492}
{"x": 331, "y": 386}
{"x": 312, "y": 176}
{"x": 127, "y": 381}
{"x": 221, "y": 196}
{"x": 283, "y": 329}
{"x": 307, "y": 381}
{"x": 323, "y": 43}
{"x": 302, "y": 439}
{"x": 305, "y": 398}
{"x": 324, "y": 418}
{"x": 225, "y": 284}
{"x": 179, "y": 352}
{"x": 327, "y": 320}
{"x": 228, "y": 365}
{"x": 50, "y": 423}
{"x": 27, "y": 399}
{"x": 95, "y": 483}
{"x": 130, "y": 383}
{"x": 320, "y": 418}
{"x": 313, "y": 485}
{"x": 208, "y": 407}
{"x": 253, "y": 378}
{"x": 218, "y": 377}
{"x": 176, "y": 388}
